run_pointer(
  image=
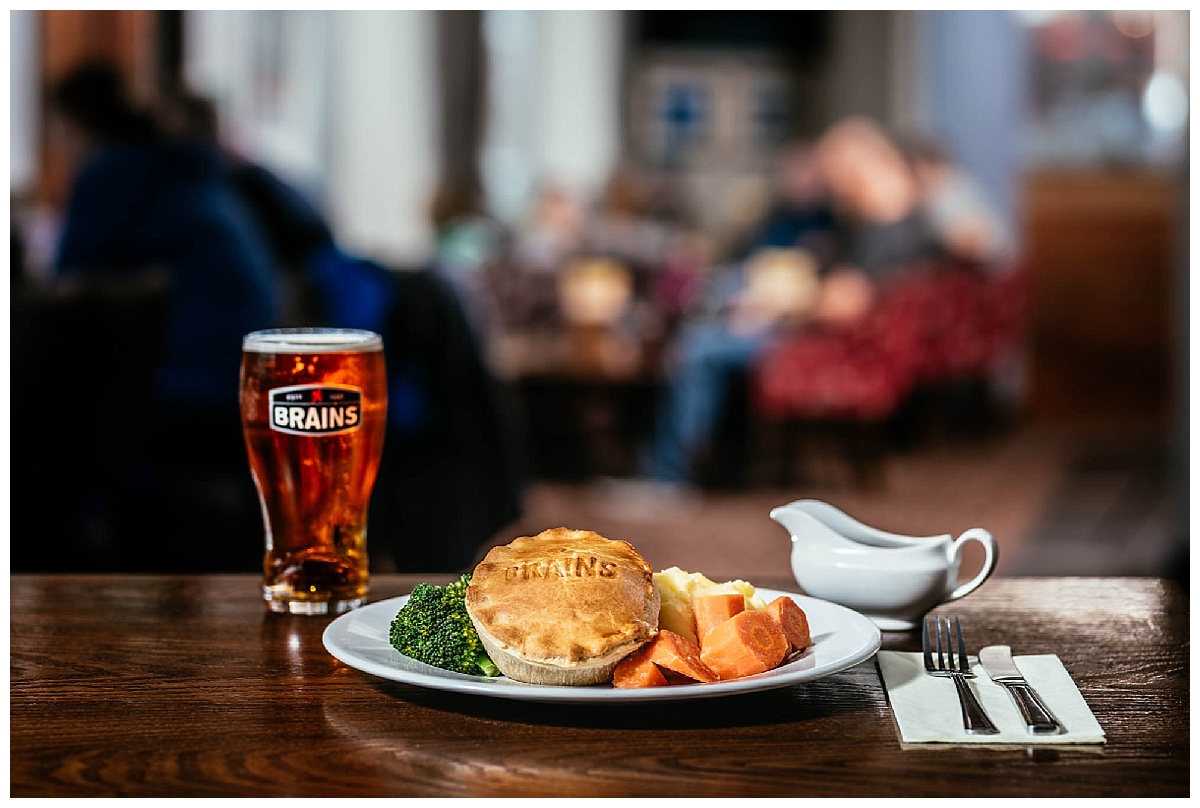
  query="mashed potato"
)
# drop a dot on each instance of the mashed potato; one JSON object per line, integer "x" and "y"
{"x": 676, "y": 590}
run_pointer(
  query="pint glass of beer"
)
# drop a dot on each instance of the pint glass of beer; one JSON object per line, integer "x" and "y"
{"x": 314, "y": 406}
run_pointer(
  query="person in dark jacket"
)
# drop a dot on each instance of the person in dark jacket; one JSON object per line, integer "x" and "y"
{"x": 139, "y": 201}
{"x": 143, "y": 202}
{"x": 451, "y": 475}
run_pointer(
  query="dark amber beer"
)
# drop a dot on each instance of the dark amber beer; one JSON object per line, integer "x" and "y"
{"x": 314, "y": 407}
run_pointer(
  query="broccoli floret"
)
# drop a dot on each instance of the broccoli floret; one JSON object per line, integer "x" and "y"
{"x": 433, "y": 627}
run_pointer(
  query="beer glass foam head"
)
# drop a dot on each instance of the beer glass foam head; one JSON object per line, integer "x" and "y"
{"x": 325, "y": 340}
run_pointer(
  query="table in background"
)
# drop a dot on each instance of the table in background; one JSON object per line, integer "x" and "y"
{"x": 185, "y": 686}
{"x": 591, "y": 392}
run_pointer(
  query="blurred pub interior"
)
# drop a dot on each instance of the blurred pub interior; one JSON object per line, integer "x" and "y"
{"x": 551, "y": 197}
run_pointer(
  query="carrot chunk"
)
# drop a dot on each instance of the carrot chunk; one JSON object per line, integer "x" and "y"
{"x": 712, "y": 610}
{"x": 745, "y": 644}
{"x": 638, "y": 670}
{"x": 679, "y": 654}
{"x": 792, "y": 619}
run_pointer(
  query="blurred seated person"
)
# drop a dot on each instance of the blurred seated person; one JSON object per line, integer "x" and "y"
{"x": 467, "y": 243}
{"x": 980, "y": 310}
{"x": 553, "y": 232}
{"x": 448, "y": 469}
{"x": 881, "y": 226}
{"x": 600, "y": 339}
{"x": 904, "y": 306}
{"x": 895, "y": 212}
{"x": 801, "y": 215}
{"x": 522, "y": 285}
{"x": 678, "y": 282}
{"x": 774, "y": 287}
{"x": 624, "y": 227}
{"x": 142, "y": 201}
{"x": 854, "y": 208}
{"x": 777, "y": 288}
{"x": 321, "y": 285}
{"x": 962, "y": 217}
{"x": 290, "y": 221}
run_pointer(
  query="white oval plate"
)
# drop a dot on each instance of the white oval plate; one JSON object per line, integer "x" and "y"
{"x": 842, "y": 638}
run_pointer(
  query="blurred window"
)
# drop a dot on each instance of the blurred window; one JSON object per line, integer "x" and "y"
{"x": 23, "y": 104}
{"x": 339, "y": 103}
{"x": 554, "y": 94}
{"x": 267, "y": 71}
{"x": 1108, "y": 86}
{"x": 507, "y": 161}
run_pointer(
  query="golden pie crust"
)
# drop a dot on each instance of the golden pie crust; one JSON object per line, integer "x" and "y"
{"x": 563, "y": 606}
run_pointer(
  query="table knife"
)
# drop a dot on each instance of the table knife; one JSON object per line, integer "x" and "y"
{"x": 998, "y": 662}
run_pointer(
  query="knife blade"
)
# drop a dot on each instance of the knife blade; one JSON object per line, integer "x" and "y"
{"x": 998, "y": 662}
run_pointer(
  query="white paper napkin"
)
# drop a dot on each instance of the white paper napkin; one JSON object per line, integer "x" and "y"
{"x": 927, "y": 709}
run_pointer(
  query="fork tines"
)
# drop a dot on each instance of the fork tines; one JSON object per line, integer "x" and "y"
{"x": 944, "y": 643}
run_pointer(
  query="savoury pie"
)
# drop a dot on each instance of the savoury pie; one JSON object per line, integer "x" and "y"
{"x": 562, "y": 607}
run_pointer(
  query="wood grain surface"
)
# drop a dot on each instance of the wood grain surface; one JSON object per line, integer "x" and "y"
{"x": 147, "y": 686}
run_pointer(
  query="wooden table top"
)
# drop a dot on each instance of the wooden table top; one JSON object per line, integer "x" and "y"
{"x": 186, "y": 686}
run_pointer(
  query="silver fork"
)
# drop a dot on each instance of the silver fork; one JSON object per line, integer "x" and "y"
{"x": 975, "y": 720}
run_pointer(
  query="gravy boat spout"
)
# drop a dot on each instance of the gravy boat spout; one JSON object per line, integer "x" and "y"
{"x": 816, "y": 534}
{"x": 814, "y": 521}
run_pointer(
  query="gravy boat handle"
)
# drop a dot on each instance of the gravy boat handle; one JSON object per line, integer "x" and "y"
{"x": 989, "y": 561}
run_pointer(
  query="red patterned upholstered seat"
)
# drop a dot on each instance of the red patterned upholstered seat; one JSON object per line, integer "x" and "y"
{"x": 932, "y": 324}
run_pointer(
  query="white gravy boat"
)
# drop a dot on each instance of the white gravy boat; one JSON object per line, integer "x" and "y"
{"x": 892, "y": 579}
